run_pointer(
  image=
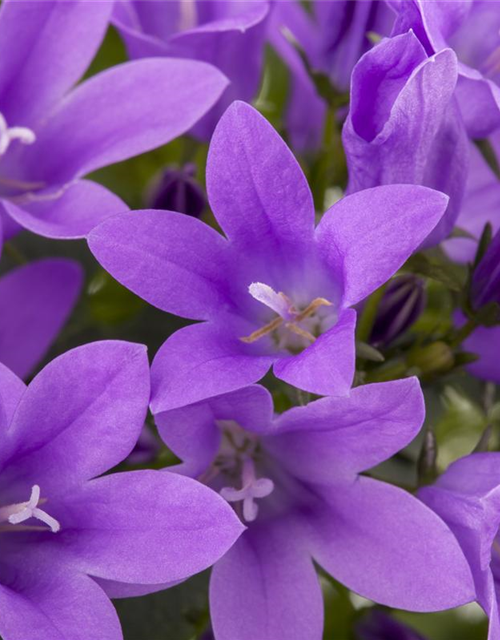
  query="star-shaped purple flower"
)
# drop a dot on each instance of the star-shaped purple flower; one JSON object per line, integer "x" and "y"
{"x": 472, "y": 29}
{"x": 228, "y": 35}
{"x": 35, "y": 301}
{"x": 295, "y": 481}
{"x": 274, "y": 291}
{"x": 467, "y": 497}
{"x": 70, "y": 536}
{"x": 52, "y": 134}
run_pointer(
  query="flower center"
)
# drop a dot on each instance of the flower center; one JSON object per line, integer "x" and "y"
{"x": 304, "y": 323}
{"x": 9, "y": 134}
{"x": 236, "y": 464}
{"x": 16, "y": 513}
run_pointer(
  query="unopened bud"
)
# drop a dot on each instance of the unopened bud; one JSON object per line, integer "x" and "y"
{"x": 434, "y": 358}
{"x": 177, "y": 190}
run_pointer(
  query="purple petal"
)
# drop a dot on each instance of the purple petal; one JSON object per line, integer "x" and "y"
{"x": 43, "y": 602}
{"x": 35, "y": 302}
{"x": 384, "y": 544}
{"x": 45, "y": 48}
{"x": 11, "y": 391}
{"x": 373, "y": 232}
{"x": 485, "y": 342}
{"x": 142, "y": 105}
{"x": 479, "y": 100}
{"x": 97, "y": 393}
{"x": 79, "y": 208}
{"x": 193, "y": 435}
{"x": 147, "y": 527}
{"x": 335, "y": 437}
{"x": 266, "y": 587}
{"x": 326, "y": 367}
{"x": 261, "y": 199}
{"x": 147, "y": 252}
{"x": 202, "y": 361}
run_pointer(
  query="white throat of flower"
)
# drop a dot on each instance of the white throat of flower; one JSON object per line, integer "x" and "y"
{"x": 9, "y": 134}
{"x": 17, "y": 513}
{"x": 288, "y": 315}
{"x": 252, "y": 488}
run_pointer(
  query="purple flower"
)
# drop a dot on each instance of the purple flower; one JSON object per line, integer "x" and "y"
{"x": 35, "y": 302}
{"x": 481, "y": 204}
{"x": 294, "y": 480}
{"x": 228, "y": 35}
{"x": 69, "y": 537}
{"x": 333, "y": 37}
{"x": 485, "y": 289}
{"x": 52, "y": 134}
{"x": 404, "y": 125}
{"x": 377, "y": 625}
{"x": 402, "y": 303}
{"x": 467, "y": 497}
{"x": 472, "y": 29}
{"x": 275, "y": 290}
{"x": 177, "y": 190}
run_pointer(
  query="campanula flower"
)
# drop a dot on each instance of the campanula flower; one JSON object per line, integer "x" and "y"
{"x": 294, "y": 480}
{"x": 274, "y": 290}
{"x": 70, "y": 535}
{"x": 52, "y": 134}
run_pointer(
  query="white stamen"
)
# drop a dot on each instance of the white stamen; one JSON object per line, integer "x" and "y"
{"x": 278, "y": 302}
{"x": 30, "y": 509}
{"x": 187, "y": 19}
{"x": 8, "y": 134}
{"x": 252, "y": 488}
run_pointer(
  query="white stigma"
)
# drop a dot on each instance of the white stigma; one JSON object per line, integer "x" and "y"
{"x": 278, "y": 302}
{"x": 30, "y": 509}
{"x": 9, "y": 134}
{"x": 252, "y": 488}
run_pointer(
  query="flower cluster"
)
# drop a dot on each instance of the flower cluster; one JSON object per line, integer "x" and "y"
{"x": 322, "y": 191}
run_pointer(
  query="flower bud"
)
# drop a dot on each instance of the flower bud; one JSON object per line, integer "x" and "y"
{"x": 377, "y": 625}
{"x": 402, "y": 303}
{"x": 486, "y": 278}
{"x": 177, "y": 190}
{"x": 434, "y": 358}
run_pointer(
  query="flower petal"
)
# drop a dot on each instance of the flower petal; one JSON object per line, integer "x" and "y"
{"x": 193, "y": 434}
{"x": 146, "y": 527}
{"x": 44, "y": 49}
{"x": 142, "y": 105}
{"x": 384, "y": 544}
{"x": 11, "y": 391}
{"x": 97, "y": 393}
{"x": 266, "y": 587}
{"x": 147, "y": 252}
{"x": 327, "y": 366}
{"x": 79, "y": 208}
{"x": 374, "y": 231}
{"x": 41, "y": 601}
{"x": 202, "y": 361}
{"x": 35, "y": 302}
{"x": 261, "y": 199}
{"x": 335, "y": 437}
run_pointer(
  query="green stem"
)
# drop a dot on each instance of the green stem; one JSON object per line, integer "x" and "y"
{"x": 463, "y": 333}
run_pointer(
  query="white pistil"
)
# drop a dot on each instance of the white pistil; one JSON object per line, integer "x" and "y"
{"x": 26, "y": 510}
{"x": 8, "y": 134}
{"x": 252, "y": 488}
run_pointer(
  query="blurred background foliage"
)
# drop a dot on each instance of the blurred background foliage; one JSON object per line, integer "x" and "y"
{"x": 461, "y": 412}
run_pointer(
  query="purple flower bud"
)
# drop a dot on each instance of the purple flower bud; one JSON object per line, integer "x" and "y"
{"x": 486, "y": 280}
{"x": 146, "y": 448}
{"x": 377, "y": 625}
{"x": 177, "y": 190}
{"x": 401, "y": 305}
